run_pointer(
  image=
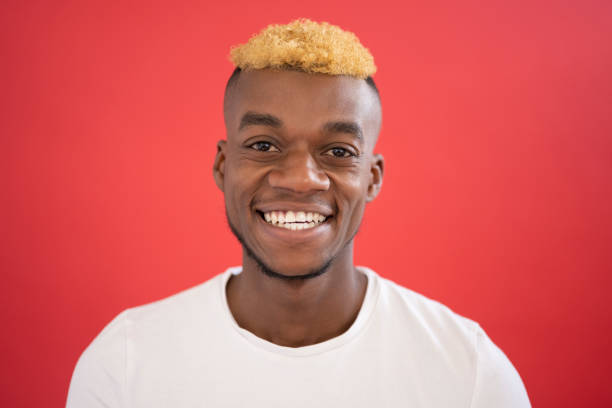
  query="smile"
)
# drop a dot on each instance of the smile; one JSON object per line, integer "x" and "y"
{"x": 294, "y": 221}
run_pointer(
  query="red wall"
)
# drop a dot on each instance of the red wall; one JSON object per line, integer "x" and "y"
{"x": 497, "y": 134}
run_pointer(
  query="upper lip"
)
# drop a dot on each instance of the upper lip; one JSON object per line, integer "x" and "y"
{"x": 295, "y": 207}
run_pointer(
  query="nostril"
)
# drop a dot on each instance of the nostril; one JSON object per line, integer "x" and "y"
{"x": 299, "y": 177}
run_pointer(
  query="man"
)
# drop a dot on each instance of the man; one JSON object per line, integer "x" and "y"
{"x": 298, "y": 324}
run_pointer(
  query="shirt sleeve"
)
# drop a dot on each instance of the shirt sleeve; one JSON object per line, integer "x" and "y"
{"x": 99, "y": 377}
{"x": 497, "y": 383}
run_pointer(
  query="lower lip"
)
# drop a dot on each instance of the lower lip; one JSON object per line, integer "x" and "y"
{"x": 297, "y": 235}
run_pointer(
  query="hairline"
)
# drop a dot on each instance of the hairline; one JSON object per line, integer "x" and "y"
{"x": 236, "y": 74}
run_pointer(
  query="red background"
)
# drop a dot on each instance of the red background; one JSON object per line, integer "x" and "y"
{"x": 497, "y": 134}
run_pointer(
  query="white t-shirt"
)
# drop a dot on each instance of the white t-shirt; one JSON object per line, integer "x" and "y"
{"x": 403, "y": 350}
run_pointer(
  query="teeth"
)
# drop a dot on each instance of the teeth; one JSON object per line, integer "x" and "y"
{"x": 294, "y": 221}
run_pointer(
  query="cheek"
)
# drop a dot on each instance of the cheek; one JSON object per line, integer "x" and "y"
{"x": 351, "y": 193}
{"x": 241, "y": 182}
{"x": 356, "y": 185}
{"x": 352, "y": 182}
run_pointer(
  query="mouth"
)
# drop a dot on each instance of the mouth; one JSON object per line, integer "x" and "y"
{"x": 293, "y": 220}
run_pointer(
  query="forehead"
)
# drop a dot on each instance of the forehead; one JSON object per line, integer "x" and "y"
{"x": 302, "y": 100}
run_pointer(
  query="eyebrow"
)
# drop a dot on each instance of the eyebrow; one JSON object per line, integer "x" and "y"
{"x": 259, "y": 119}
{"x": 344, "y": 127}
{"x": 251, "y": 118}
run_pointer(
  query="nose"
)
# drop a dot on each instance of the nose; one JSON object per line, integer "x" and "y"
{"x": 299, "y": 172}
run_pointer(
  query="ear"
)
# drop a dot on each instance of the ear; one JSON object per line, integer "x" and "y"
{"x": 219, "y": 165}
{"x": 377, "y": 168}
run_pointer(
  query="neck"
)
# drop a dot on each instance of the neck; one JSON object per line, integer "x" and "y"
{"x": 297, "y": 313}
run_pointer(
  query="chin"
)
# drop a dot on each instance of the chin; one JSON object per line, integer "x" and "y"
{"x": 295, "y": 270}
{"x": 295, "y": 264}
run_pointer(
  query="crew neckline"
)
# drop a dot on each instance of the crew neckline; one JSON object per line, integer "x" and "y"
{"x": 365, "y": 312}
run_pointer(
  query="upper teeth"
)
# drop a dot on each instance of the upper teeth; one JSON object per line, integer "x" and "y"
{"x": 294, "y": 220}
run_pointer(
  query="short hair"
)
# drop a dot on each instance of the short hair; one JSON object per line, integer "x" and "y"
{"x": 308, "y": 46}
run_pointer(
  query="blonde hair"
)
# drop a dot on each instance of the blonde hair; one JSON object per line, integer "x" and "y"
{"x": 307, "y": 46}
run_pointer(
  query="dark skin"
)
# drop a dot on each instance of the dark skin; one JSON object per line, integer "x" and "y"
{"x": 298, "y": 141}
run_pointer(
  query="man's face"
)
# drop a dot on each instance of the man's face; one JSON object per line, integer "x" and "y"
{"x": 297, "y": 168}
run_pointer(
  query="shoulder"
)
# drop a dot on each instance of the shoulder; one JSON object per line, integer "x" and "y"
{"x": 441, "y": 338}
{"x": 100, "y": 374}
{"x": 422, "y": 314}
{"x": 191, "y": 312}
{"x": 192, "y": 303}
{"x": 497, "y": 382}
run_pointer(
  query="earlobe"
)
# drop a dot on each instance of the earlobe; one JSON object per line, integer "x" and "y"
{"x": 219, "y": 165}
{"x": 376, "y": 176}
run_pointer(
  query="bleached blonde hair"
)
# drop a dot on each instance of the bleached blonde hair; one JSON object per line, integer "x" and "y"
{"x": 307, "y": 46}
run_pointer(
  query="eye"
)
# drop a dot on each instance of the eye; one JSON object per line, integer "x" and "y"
{"x": 339, "y": 152}
{"x": 264, "y": 147}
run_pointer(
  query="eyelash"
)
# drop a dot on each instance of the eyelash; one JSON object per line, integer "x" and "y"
{"x": 270, "y": 145}
{"x": 344, "y": 155}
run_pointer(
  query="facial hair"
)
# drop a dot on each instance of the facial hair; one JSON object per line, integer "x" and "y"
{"x": 266, "y": 270}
